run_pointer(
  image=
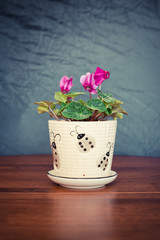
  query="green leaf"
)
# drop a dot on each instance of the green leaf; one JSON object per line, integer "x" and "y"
{"x": 59, "y": 110}
{"x": 100, "y": 93}
{"x": 106, "y": 97}
{"x": 120, "y": 115}
{"x": 56, "y": 111}
{"x": 62, "y": 107}
{"x": 77, "y": 111}
{"x": 59, "y": 96}
{"x": 96, "y": 104}
{"x": 117, "y": 115}
{"x": 123, "y": 111}
{"x": 40, "y": 103}
{"x": 119, "y": 109}
{"x": 109, "y": 110}
{"x": 118, "y": 101}
{"x": 73, "y": 94}
{"x": 115, "y": 118}
{"x": 82, "y": 102}
{"x": 42, "y": 109}
{"x": 46, "y": 104}
{"x": 52, "y": 106}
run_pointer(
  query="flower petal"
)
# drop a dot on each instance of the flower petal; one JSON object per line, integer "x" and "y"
{"x": 88, "y": 78}
{"x": 100, "y": 75}
{"x": 82, "y": 79}
{"x": 62, "y": 81}
{"x": 94, "y": 85}
{"x": 65, "y": 84}
{"x": 70, "y": 84}
{"x": 93, "y": 91}
{"x": 99, "y": 80}
{"x": 88, "y": 83}
{"x": 99, "y": 70}
{"x": 107, "y": 74}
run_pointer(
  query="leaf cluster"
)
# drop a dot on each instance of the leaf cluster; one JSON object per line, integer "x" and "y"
{"x": 96, "y": 109}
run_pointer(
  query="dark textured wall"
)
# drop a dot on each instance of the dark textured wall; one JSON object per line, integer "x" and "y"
{"x": 42, "y": 40}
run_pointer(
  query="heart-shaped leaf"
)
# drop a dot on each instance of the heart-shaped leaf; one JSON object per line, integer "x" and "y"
{"x": 59, "y": 96}
{"x": 96, "y": 104}
{"x": 106, "y": 97}
{"x": 77, "y": 111}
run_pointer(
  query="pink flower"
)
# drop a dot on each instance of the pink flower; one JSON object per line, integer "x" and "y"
{"x": 100, "y": 75}
{"x": 88, "y": 83}
{"x": 66, "y": 84}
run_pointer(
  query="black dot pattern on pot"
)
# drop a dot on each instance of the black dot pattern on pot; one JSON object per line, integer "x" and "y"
{"x": 56, "y": 161}
{"x": 102, "y": 163}
{"x": 86, "y": 144}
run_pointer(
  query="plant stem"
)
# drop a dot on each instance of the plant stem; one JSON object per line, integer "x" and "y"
{"x": 99, "y": 115}
{"x": 105, "y": 118}
{"x": 90, "y": 96}
{"x": 50, "y": 114}
{"x": 53, "y": 113}
{"x": 94, "y": 115}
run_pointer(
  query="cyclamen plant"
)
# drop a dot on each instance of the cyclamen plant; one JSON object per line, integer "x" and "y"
{"x": 100, "y": 108}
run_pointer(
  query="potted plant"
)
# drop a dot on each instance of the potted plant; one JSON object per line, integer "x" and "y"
{"x": 82, "y": 136}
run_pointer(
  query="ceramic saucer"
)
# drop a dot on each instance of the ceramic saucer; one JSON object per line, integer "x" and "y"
{"x": 82, "y": 183}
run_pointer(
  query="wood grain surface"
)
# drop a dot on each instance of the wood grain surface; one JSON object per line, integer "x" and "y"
{"x": 32, "y": 207}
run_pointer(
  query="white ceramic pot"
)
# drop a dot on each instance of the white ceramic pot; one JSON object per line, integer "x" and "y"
{"x": 82, "y": 150}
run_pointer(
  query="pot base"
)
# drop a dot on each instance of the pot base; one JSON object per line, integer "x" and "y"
{"x": 82, "y": 183}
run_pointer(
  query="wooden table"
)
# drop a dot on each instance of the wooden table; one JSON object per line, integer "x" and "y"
{"x": 32, "y": 207}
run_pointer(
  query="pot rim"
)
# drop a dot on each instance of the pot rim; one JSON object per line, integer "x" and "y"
{"x": 54, "y": 120}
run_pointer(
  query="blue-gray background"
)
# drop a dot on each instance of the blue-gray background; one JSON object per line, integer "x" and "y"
{"x": 42, "y": 40}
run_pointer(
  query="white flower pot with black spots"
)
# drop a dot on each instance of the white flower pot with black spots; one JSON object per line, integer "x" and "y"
{"x": 82, "y": 153}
